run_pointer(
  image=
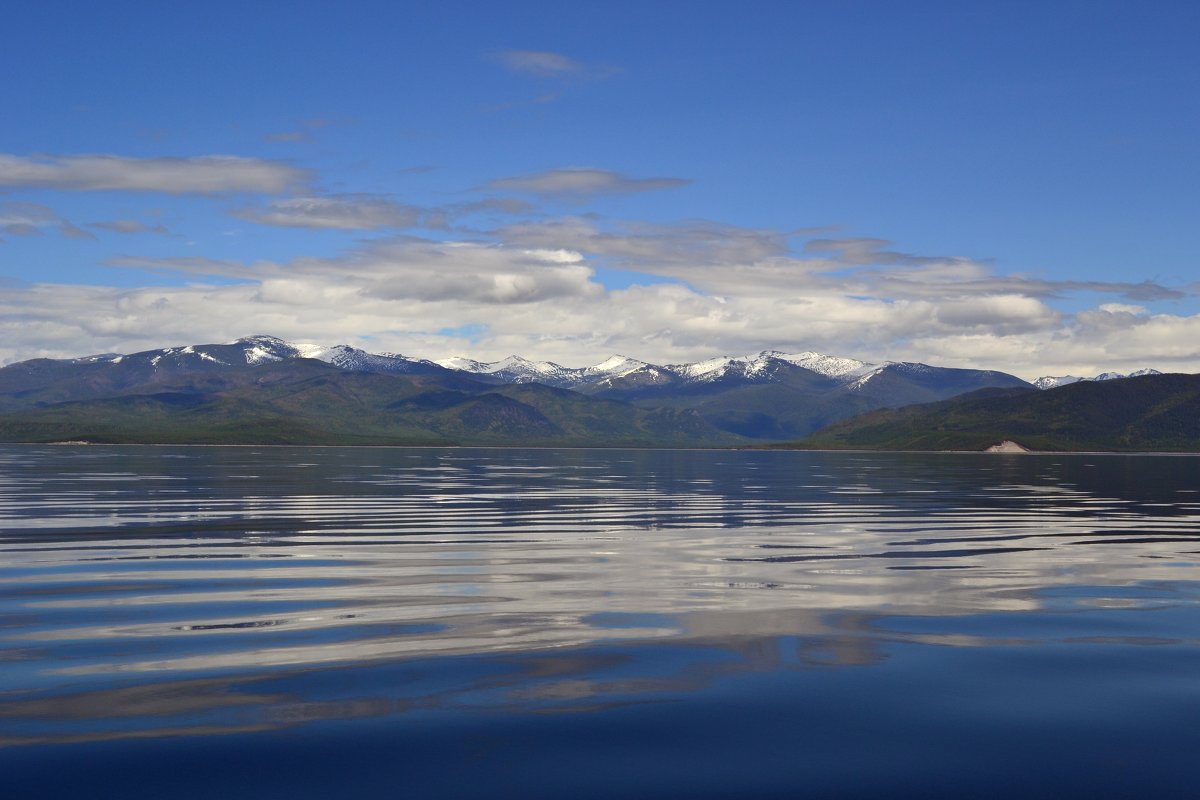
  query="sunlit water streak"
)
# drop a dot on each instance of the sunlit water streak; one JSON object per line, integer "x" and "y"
{"x": 195, "y": 591}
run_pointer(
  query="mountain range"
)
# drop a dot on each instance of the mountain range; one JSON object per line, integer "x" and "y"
{"x": 265, "y": 389}
{"x": 1153, "y": 412}
{"x": 200, "y": 398}
{"x": 1053, "y": 382}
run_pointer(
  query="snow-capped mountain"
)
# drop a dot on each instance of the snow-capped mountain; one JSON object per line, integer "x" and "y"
{"x": 623, "y": 369}
{"x": 1053, "y": 382}
{"x": 516, "y": 369}
{"x": 617, "y": 376}
{"x": 760, "y": 364}
{"x": 251, "y": 351}
{"x": 769, "y": 395}
{"x": 829, "y": 366}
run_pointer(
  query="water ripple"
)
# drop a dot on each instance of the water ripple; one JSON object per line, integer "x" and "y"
{"x": 184, "y": 563}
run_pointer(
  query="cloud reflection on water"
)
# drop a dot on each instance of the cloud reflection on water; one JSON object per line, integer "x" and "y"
{"x": 172, "y": 613}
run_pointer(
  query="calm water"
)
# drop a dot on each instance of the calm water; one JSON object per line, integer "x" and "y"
{"x": 323, "y": 622}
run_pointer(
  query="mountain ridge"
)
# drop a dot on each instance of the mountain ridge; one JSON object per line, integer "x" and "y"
{"x": 1055, "y": 381}
{"x": 768, "y": 396}
{"x": 1159, "y": 412}
{"x": 518, "y": 369}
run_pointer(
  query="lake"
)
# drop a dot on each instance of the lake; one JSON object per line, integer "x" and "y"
{"x": 181, "y": 622}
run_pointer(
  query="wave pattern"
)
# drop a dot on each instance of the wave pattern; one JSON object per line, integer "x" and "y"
{"x": 143, "y": 578}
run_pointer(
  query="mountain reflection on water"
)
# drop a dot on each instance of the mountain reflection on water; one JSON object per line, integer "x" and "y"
{"x": 158, "y": 593}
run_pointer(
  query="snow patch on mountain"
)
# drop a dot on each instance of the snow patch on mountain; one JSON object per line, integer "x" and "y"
{"x": 829, "y": 366}
{"x": 1055, "y": 381}
{"x": 616, "y": 372}
{"x": 316, "y": 351}
{"x": 100, "y": 358}
{"x": 710, "y": 369}
{"x": 751, "y": 366}
{"x": 516, "y": 369}
{"x": 260, "y": 355}
{"x": 862, "y": 380}
{"x": 616, "y": 366}
{"x": 524, "y": 370}
{"x": 462, "y": 363}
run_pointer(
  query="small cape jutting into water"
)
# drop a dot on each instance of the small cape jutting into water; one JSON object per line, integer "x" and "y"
{"x": 1007, "y": 446}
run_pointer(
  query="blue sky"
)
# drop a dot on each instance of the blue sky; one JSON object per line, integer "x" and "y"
{"x": 1010, "y": 185}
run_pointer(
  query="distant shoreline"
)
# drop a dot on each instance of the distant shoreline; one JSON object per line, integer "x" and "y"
{"x": 760, "y": 448}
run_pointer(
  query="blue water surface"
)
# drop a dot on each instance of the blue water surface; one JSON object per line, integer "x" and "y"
{"x": 360, "y": 622}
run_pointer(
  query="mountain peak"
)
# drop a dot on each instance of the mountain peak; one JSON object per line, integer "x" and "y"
{"x": 616, "y": 359}
{"x": 1054, "y": 381}
{"x": 827, "y": 365}
{"x": 260, "y": 338}
{"x": 616, "y": 363}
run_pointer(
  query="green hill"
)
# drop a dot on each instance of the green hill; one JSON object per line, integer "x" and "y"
{"x": 308, "y": 402}
{"x": 1149, "y": 413}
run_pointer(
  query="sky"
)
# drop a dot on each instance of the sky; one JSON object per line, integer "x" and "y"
{"x": 1004, "y": 185}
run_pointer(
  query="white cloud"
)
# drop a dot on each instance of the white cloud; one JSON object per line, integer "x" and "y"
{"x": 352, "y": 212}
{"x": 996, "y": 313}
{"x": 26, "y": 219}
{"x": 547, "y": 304}
{"x": 537, "y": 293}
{"x": 199, "y": 175}
{"x": 1121, "y": 308}
{"x": 654, "y": 248}
{"x": 341, "y": 212}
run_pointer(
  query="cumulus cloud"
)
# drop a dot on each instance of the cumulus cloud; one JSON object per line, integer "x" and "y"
{"x": 534, "y": 287}
{"x": 193, "y": 265}
{"x": 1000, "y": 314}
{"x": 1120, "y": 308}
{"x": 653, "y": 247}
{"x": 412, "y": 270}
{"x": 416, "y": 270}
{"x": 865, "y": 250}
{"x": 194, "y": 175}
{"x": 401, "y": 290}
{"x": 537, "y": 293}
{"x": 582, "y": 182}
